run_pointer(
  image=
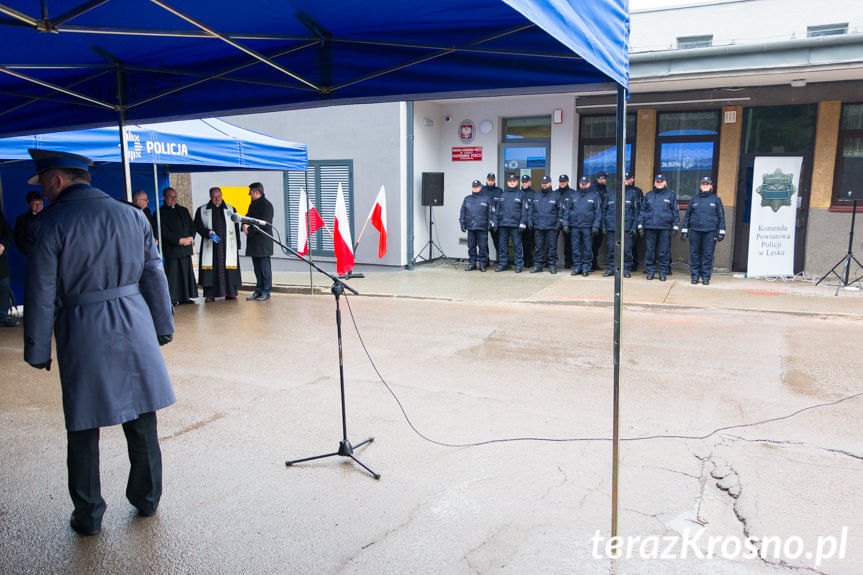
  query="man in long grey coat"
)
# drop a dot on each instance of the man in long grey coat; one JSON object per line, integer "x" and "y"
{"x": 94, "y": 276}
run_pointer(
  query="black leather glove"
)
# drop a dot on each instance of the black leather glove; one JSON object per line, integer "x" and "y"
{"x": 594, "y": 231}
{"x": 463, "y": 229}
{"x": 530, "y": 225}
{"x": 521, "y": 226}
{"x": 46, "y": 365}
{"x": 557, "y": 228}
{"x": 684, "y": 234}
{"x": 163, "y": 339}
{"x": 566, "y": 229}
{"x": 721, "y": 235}
{"x": 640, "y": 232}
{"x": 673, "y": 231}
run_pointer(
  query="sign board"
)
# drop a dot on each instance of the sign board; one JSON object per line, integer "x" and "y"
{"x": 773, "y": 222}
{"x": 467, "y": 154}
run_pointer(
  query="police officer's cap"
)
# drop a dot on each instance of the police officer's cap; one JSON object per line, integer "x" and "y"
{"x": 490, "y": 176}
{"x": 512, "y": 178}
{"x": 659, "y": 178}
{"x": 476, "y": 184}
{"x": 525, "y": 178}
{"x": 546, "y": 179}
{"x": 563, "y": 178}
{"x": 603, "y": 175}
{"x": 707, "y": 180}
{"x": 49, "y": 160}
{"x": 628, "y": 175}
{"x": 584, "y": 180}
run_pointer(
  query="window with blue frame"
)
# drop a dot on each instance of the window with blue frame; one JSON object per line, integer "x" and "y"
{"x": 687, "y": 145}
{"x": 597, "y": 146}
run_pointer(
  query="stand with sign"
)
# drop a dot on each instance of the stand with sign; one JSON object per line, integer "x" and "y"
{"x": 772, "y": 227}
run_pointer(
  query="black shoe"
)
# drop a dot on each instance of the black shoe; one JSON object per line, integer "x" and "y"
{"x": 649, "y": 276}
{"x": 254, "y": 296}
{"x": 535, "y": 269}
{"x": 501, "y": 268}
{"x": 552, "y": 270}
{"x": 595, "y": 268}
{"x": 209, "y": 299}
{"x": 662, "y": 277}
{"x": 481, "y": 268}
{"x": 626, "y": 274}
{"x": 694, "y": 281}
{"x": 706, "y": 282}
{"x": 574, "y": 272}
{"x": 669, "y": 273}
{"x": 608, "y": 273}
{"x": 585, "y": 273}
{"x": 518, "y": 270}
{"x": 567, "y": 266}
{"x": 470, "y": 268}
{"x": 263, "y": 297}
{"x": 81, "y": 530}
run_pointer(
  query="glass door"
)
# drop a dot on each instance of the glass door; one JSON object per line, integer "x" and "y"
{"x": 524, "y": 159}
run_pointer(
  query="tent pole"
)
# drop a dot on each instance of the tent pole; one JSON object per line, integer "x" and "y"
{"x": 158, "y": 215}
{"x": 410, "y": 185}
{"x": 309, "y": 235}
{"x": 620, "y": 193}
{"x": 121, "y": 122}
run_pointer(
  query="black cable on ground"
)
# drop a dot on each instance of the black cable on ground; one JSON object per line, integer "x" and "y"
{"x": 576, "y": 439}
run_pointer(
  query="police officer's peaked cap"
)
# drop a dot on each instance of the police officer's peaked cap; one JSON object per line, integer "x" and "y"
{"x": 563, "y": 178}
{"x": 512, "y": 178}
{"x": 546, "y": 179}
{"x": 659, "y": 178}
{"x": 490, "y": 176}
{"x": 476, "y": 184}
{"x": 525, "y": 178}
{"x": 49, "y": 160}
{"x": 707, "y": 180}
{"x": 628, "y": 175}
{"x": 602, "y": 175}
{"x": 584, "y": 180}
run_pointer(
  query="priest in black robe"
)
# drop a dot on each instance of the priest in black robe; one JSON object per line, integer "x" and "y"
{"x": 178, "y": 241}
{"x": 219, "y": 260}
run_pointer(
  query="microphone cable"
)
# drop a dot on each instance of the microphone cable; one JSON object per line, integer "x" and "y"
{"x": 576, "y": 439}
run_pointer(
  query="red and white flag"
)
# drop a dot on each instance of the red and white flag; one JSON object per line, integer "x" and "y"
{"x": 309, "y": 222}
{"x": 378, "y": 217}
{"x": 342, "y": 243}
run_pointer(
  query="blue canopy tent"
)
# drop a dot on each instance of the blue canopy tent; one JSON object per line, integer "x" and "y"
{"x": 153, "y": 150}
{"x": 102, "y": 62}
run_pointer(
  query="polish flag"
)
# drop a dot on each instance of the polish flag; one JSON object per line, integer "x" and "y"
{"x": 309, "y": 222}
{"x": 342, "y": 236}
{"x": 378, "y": 217}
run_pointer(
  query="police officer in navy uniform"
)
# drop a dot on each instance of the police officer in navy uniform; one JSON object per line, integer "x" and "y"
{"x": 527, "y": 235}
{"x": 95, "y": 278}
{"x": 582, "y": 213}
{"x": 629, "y": 181}
{"x": 493, "y": 191}
{"x": 474, "y": 219}
{"x": 510, "y": 219}
{"x": 543, "y": 217}
{"x": 600, "y": 184}
{"x": 563, "y": 191}
{"x": 609, "y": 219}
{"x": 658, "y": 222}
{"x": 704, "y": 224}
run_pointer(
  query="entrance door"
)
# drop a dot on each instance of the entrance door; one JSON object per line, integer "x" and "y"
{"x": 520, "y": 159}
{"x": 774, "y": 131}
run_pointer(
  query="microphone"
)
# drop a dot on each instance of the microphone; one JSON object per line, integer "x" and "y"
{"x": 237, "y": 218}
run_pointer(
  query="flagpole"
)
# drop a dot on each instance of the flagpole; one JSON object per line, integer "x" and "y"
{"x": 308, "y": 234}
{"x": 362, "y": 231}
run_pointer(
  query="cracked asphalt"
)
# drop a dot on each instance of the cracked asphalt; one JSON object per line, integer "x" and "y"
{"x": 257, "y": 384}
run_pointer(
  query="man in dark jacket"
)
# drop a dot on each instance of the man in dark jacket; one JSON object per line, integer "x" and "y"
{"x": 510, "y": 219}
{"x": 600, "y": 185}
{"x": 563, "y": 191}
{"x": 142, "y": 200}
{"x": 178, "y": 241}
{"x": 22, "y": 223}
{"x": 658, "y": 221}
{"x": 543, "y": 217}
{"x": 474, "y": 219}
{"x": 582, "y": 212}
{"x": 609, "y": 225}
{"x": 94, "y": 276}
{"x": 639, "y": 196}
{"x": 258, "y": 246}
{"x": 492, "y": 191}
{"x": 527, "y": 235}
{"x": 704, "y": 223}
{"x": 6, "y": 239}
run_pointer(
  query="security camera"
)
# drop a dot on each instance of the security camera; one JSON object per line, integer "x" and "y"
{"x": 447, "y": 118}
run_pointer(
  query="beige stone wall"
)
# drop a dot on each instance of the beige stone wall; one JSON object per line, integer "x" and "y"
{"x": 827, "y": 241}
{"x": 729, "y": 157}
{"x": 182, "y": 183}
{"x": 824, "y": 161}
{"x": 645, "y": 132}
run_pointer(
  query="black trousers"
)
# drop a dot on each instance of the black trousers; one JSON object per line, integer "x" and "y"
{"x": 567, "y": 250}
{"x": 477, "y": 247}
{"x": 527, "y": 246}
{"x": 144, "y": 488}
{"x": 546, "y": 248}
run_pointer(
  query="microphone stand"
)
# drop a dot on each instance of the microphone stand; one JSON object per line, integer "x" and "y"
{"x": 338, "y": 288}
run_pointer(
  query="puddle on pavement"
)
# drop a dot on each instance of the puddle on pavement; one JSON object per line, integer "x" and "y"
{"x": 509, "y": 346}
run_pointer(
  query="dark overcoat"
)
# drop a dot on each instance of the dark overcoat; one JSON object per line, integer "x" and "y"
{"x": 94, "y": 276}
{"x": 176, "y": 224}
{"x": 257, "y": 244}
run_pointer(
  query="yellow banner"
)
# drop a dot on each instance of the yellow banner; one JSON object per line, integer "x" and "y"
{"x": 237, "y": 196}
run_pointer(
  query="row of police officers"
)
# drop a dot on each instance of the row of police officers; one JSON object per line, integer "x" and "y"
{"x": 532, "y": 219}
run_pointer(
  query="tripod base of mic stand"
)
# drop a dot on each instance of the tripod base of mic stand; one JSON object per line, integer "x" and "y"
{"x": 345, "y": 450}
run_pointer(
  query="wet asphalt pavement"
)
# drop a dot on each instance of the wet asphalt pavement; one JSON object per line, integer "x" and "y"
{"x": 471, "y": 358}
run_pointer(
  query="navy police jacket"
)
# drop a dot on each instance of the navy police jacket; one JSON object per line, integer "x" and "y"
{"x": 582, "y": 209}
{"x": 544, "y": 211}
{"x": 475, "y": 212}
{"x": 659, "y": 210}
{"x": 609, "y": 211}
{"x": 511, "y": 209}
{"x": 705, "y": 213}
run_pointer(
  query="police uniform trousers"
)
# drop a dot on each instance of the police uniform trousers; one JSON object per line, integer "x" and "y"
{"x": 596, "y": 243}
{"x": 546, "y": 248}
{"x": 507, "y": 232}
{"x": 144, "y": 487}
{"x": 701, "y": 248}
{"x": 567, "y": 249}
{"x": 657, "y": 241}
{"x": 477, "y": 247}
{"x": 527, "y": 246}
{"x": 582, "y": 248}
{"x": 627, "y": 250}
